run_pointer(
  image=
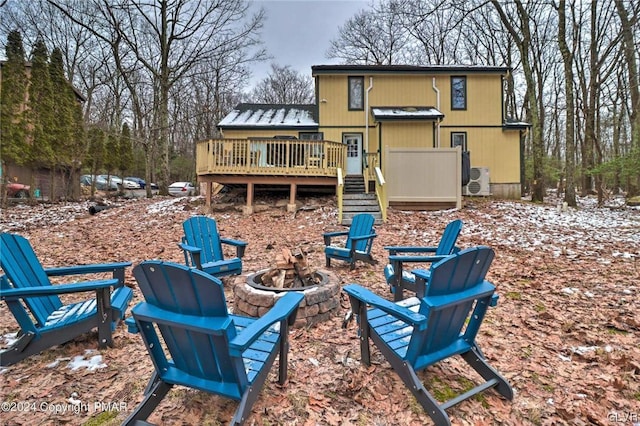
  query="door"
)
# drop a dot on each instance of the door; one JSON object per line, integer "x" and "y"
{"x": 354, "y": 153}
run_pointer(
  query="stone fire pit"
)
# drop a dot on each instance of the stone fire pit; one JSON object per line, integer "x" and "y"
{"x": 320, "y": 302}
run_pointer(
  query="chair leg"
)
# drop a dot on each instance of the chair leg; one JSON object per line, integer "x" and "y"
{"x": 105, "y": 318}
{"x": 283, "y": 360}
{"x": 476, "y": 360}
{"x": 149, "y": 403}
{"x": 328, "y": 261}
{"x": 414, "y": 384}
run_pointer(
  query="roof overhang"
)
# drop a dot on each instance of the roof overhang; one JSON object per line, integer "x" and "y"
{"x": 406, "y": 113}
{"x": 512, "y": 124}
{"x": 407, "y": 69}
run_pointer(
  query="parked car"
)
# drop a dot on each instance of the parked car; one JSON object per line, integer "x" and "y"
{"x": 18, "y": 190}
{"x": 100, "y": 181}
{"x": 182, "y": 189}
{"x": 126, "y": 184}
{"x": 130, "y": 184}
{"x": 141, "y": 182}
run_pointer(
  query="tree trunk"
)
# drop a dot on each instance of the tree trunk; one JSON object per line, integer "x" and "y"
{"x": 570, "y": 143}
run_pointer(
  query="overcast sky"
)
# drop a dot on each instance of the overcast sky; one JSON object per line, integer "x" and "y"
{"x": 298, "y": 32}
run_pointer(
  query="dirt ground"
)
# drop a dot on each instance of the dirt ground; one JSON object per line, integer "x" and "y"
{"x": 566, "y": 331}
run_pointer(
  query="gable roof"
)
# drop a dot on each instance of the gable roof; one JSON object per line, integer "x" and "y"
{"x": 408, "y": 69}
{"x": 271, "y": 116}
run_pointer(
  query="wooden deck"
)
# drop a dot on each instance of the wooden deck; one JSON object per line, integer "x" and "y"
{"x": 290, "y": 162}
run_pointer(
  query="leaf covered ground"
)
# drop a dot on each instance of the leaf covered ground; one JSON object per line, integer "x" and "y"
{"x": 566, "y": 331}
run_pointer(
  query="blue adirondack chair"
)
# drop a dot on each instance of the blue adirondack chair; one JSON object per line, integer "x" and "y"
{"x": 202, "y": 247}
{"x": 400, "y": 279}
{"x": 43, "y": 319}
{"x": 416, "y": 333}
{"x": 359, "y": 240}
{"x": 200, "y": 344}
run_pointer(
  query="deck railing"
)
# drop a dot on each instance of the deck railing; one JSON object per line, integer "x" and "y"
{"x": 270, "y": 157}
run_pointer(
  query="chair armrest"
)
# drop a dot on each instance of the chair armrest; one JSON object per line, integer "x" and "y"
{"x": 362, "y": 294}
{"x": 19, "y": 293}
{"x": 190, "y": 249}
{"x": 195, "y": 255}
{"x": 409, "y": 259}
{"x": 147, "y": 312}
{"x": 282, "y": 309}
{"x": 364, "y": 237}
{"x": 485, "y": 289}
{"x": 410, "y": 249}
{"x": 238, "y": 244}
{"x": 86, "y": 269}
{"x": 329, "y": 235}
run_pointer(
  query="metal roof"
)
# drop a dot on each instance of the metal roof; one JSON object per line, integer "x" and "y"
{"x": 302, "y": 116}
{"x": 406, "y": 113}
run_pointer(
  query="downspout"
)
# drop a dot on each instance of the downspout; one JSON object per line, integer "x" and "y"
{"x": 435, "y": 89}
{"x": 366, "y": 116}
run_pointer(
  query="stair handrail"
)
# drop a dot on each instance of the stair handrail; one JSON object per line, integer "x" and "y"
{"x": 381, "y": 192}
{"x": 339, "y": 193}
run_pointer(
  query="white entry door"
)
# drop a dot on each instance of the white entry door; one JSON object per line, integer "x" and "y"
{"x": 354, "y": 153}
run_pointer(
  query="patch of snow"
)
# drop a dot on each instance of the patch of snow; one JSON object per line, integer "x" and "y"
{"x": 9, "y": 338}
{"x": 582, "y": 350}
{"x": 570, "y": 290}
{"x": 93, "y": 363}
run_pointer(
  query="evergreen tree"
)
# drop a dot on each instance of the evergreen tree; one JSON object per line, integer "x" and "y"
{"x": 125, "y": 150}
{"x": 40, "y": 109}
{"x": 14, "y": 89}
{"x": 62, "y": 122}
{"x": 111, "y": 155}
{"x": 67, "y": 131}
{"x": 95, "y": 152}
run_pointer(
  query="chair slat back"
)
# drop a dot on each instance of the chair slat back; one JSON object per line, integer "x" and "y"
{"x": 449, "y": 277}
{"x": 362, "y": 224}
{"x": 22, "y": 267}
{"x": 181, "y": 290}
{"x": 202, "y": 232}
{"x": 449, "y": 238}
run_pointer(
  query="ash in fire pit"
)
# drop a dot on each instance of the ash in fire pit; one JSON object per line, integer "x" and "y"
{"x": 257, "y": 293}
{"x": 291, "y": 272}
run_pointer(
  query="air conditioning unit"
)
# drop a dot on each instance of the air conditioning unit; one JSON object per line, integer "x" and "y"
{"x": 478, "y": 183}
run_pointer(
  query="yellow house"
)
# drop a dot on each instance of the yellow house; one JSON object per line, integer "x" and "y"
{"x": 402, "y": 128}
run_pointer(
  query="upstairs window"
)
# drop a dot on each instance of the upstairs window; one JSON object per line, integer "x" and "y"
{"x": 458, "y": 93}
{"x": 356, "y": 93}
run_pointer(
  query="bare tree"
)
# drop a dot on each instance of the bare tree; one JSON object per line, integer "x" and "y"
{"x": 157, "y": 44}
{"x": 284, "y": 86}
{"x": 630, "y": 54}
{"x": 523, "y": 38}
{"x": 373, "y": 36}
{"x": 567, "y": 60}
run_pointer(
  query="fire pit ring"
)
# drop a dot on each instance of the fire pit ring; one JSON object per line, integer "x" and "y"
{"x": 254, "y": 281}
{"x": 320, "y": 303}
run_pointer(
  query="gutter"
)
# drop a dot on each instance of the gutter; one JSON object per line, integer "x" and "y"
{"x": 435, "y": 89}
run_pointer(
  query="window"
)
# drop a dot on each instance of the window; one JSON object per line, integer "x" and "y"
{"x": 458, "y": 92}
{"x": 356, "y": 93}
{"x": 311, "y": 136}
{"x": 459, "y": 139}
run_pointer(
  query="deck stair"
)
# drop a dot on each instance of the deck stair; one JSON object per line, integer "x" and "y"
{"x": 355, "y": 200}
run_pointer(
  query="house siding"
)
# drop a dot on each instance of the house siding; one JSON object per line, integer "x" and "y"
{"x": 490, "y": 145}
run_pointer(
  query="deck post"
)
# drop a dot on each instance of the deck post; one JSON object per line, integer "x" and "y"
{"x": 208, "y": 193}
{"x": 248, "y": 209}
{"x": 291, "y": 207}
